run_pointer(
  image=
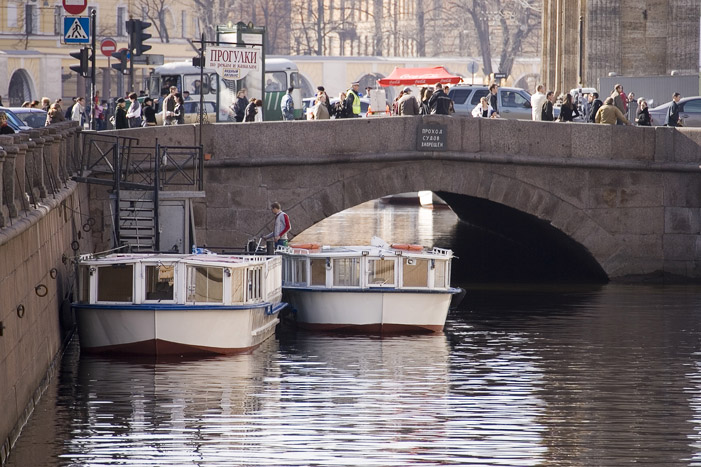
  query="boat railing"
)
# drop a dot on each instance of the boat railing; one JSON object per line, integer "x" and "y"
{"x": 442, "y": 251}
{"x": 292, "y": 251}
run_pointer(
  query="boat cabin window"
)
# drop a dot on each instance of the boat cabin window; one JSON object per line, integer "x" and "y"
{"x": 237, "y": 286}
{"x": 159, "y": 282}
{"x": 115, "y": 283}
{"x": 346, "y": 272}
{"x": 381, "y": 271}
{"x": 415, "y": 272}
{"x": 318, "y": 269}
{"x": 440, "y": 276}
{"x": 84, "y": 285}
{"x": 255, "y": 289}
{"x": 204, "y": 284}
{"x": 296, "y": 272}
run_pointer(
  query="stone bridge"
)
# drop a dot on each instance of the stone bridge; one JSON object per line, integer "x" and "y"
{"x": 618, "y": 201}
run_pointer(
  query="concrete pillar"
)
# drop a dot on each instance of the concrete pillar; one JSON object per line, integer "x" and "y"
{"x": 8, "y": 174}
{"x": 3, "y": 209}
{"x": 35, "y": 163}
{"x": 57, "y": 153}
{"x": 26, "y": 149}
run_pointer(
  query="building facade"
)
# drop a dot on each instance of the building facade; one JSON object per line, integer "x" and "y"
{"x": 584, "y": 40}
{"x": 35, "y": 61}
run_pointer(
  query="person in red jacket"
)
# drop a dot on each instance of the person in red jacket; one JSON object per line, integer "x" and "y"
{"x": 281, "y": 226}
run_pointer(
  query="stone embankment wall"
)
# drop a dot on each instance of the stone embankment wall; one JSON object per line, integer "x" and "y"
{"x": 43, "y": 218}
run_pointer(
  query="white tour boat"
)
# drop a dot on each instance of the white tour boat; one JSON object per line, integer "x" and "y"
{"x": 175, "y": 304}
{"x": 378, "y": 289}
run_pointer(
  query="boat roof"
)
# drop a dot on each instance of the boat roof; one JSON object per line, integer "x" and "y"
{"x": 377, "y": 248}
{"x": 201, "y": 259}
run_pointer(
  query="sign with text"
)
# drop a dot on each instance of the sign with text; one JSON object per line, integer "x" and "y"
{"x": 432, "y": 137}
{"x": 234, "y": 62}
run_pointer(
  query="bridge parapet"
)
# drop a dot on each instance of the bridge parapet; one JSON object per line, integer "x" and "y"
{"x": 31, "y": 161}
{"x": 327, "y": 140}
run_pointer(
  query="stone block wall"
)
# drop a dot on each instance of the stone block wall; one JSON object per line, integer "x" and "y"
{"x": 631, "y": 195}
{"x": 43, "y": 218}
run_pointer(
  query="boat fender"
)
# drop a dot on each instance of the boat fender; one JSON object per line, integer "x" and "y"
{"x": 406, "y": 246}
{"x": 305, "y": 246}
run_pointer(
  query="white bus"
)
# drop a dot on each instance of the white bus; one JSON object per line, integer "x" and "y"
{"x": 219, "y": 94}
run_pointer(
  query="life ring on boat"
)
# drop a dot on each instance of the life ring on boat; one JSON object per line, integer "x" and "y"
{"x": 406, "y": 246}
{"x": 305, "y": 246}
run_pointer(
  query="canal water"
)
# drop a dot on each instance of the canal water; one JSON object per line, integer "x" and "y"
{"x": 525, "y": 374}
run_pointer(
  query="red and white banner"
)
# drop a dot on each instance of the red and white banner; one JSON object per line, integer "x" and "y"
{"x": 234, "y": 62}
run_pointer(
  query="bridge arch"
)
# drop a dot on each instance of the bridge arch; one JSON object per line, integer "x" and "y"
{"x": 634, "y": 207}
{"x": 545, "y": 224}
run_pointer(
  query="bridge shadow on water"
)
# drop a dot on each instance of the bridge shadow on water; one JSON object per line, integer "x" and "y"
{"x": 498, "y": 244}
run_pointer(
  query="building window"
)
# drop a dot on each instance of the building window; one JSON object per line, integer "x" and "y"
{"x": 12, "y": 16}
{"x": 30, "y": 19}
{"x": 183, "y": 23}
{"x": 121, "y": 21}
{"x": 58, "y": 20}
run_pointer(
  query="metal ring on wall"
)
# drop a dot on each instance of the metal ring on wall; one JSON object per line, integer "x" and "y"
{"x": 53, "y": 273}
{"x": 41, "y": 290}
{"x": 91, "y": 221}
{"x": 86, "y": 227}
{"x": 75, "y": 245}
{"x": 20, "y": 311}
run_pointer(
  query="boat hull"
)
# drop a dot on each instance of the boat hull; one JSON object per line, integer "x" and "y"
{"x": 369, "y": 311}
{"x": 174, "y": 329}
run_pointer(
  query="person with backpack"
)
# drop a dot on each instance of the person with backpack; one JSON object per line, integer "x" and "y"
{"x": 287, "y": 105}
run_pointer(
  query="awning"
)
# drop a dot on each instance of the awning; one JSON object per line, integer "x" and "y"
{"x": 416, "y": 76}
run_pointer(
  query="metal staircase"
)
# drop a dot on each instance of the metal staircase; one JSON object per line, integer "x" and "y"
{"x": 145, "y": 180}
{"x": 137, "y": 220}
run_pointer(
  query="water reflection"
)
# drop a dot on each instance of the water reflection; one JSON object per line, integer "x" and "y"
{"x": 395, "y": 224}
{"x": 603, "y": 375}
{"x": 610, "y": 368}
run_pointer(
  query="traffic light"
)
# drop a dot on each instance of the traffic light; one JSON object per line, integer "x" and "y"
{"x": 121, "y": 65}
{"x": 83, "y": 56}
{"x": 137, "y": 36}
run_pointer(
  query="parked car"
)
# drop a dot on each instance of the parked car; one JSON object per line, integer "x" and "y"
{"x": 689, "y": 112}
{"x": 513, "y": 102}
{"x": 34, "y": 118}
{"x": 192, "y": 110}
{"x": 14, "y": 121}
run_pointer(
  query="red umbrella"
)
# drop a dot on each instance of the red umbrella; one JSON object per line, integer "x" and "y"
{"x": 417, "y": 76}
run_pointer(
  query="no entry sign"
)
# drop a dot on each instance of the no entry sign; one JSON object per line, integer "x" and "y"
{"x": 107, "y": 46}
{"x": 75, "y": 7}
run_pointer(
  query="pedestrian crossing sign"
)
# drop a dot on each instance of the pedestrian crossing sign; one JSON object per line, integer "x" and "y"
{"x": 76, "y": 29}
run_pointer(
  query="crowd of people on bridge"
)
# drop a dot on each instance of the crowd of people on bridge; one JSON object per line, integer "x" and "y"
{"x": 617, "y": 109}
{"x": 139, "y": 110}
